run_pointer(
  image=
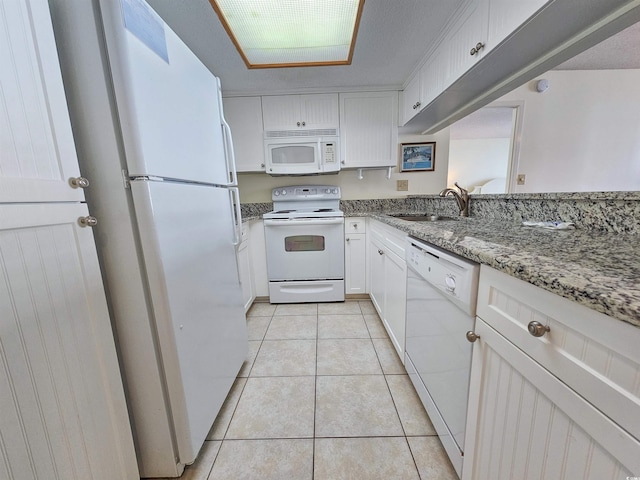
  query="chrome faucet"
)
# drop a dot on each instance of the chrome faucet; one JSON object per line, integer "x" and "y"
{"x": 461, "y": 197}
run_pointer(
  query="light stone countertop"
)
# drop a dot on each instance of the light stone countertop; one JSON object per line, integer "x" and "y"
{"x": 599, "y": 270}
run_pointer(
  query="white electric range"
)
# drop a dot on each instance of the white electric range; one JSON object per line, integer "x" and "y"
{"x": 304, "y": 237}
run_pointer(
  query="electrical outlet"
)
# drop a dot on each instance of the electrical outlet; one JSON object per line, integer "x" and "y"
{"x": 520, "y": 179}
{"x": 402, "y": 185}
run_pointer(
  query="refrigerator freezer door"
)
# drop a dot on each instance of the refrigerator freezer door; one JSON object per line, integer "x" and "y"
{"x": 190, "y": 260}
{"x": 167, "y": 99}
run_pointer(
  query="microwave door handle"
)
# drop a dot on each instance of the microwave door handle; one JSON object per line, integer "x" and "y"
{"x": 320, "y": 159}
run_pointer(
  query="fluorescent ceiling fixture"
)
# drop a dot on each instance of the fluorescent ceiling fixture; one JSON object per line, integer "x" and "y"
{"x": 291, "y": 33}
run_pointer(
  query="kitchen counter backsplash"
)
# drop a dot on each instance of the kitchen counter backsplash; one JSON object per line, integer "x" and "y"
{"x": 252, "y": 211}
{"x": 615, "y": 212}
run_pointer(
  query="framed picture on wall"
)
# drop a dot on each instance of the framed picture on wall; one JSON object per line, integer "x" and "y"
{"x": 417, "y": 157}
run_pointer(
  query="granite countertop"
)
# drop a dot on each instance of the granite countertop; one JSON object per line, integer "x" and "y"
{"x": 599, "y": 270}
{"x": 596, "y": 265}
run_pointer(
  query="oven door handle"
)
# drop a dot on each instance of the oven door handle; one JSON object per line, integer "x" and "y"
{"x": 306, "y": 221}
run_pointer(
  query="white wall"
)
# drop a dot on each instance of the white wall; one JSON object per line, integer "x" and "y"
{"x": 256, "y": 187}
{"x": 582, "y": 134}
{"x": 475, "y": 161}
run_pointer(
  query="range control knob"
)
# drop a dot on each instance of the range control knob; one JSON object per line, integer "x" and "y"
{"x": 284, "y": 192}
{"x": 276, "y": 193}
{"x": 335, "y": 190}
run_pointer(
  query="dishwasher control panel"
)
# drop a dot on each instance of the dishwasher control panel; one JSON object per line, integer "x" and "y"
{"x": 453, "y": 275}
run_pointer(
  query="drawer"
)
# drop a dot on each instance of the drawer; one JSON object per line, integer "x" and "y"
{"x": 596, "y": 355}
{"x": 355, "y": 225}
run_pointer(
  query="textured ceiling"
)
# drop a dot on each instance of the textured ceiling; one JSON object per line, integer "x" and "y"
{"x": 393, "y": 37}
{"x": 617, "y": 52}
{"x": 488, "y": 122}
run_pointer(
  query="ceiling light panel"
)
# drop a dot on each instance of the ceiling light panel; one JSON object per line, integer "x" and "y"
{"x": 277, "y": 33}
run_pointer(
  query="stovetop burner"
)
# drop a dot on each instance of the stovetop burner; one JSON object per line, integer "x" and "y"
{"x": 305, "y": 201}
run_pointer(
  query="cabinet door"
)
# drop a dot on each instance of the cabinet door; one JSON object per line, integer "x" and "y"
{"x": 432, "y": 76}
{"x": 355, "y": 263}
{"x": 369, "y": 129}
{"x": 411, "y": 99}
{"x": 38, "y": 153}
{"x": 505, "y": 16}
{"x": 523, "y": 422}
{"x": 319, "y": 111}
{"x": 395, "y": 277}
{"x": 376, "y": 276}
{"x": 61, "y": 397}
{"x": 281, "y": 112}
{"x": 466, "y": 33}
{"x": 244, "y": 115}
{"x": 290, "y": 112}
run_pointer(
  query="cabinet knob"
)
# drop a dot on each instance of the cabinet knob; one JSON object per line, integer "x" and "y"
{"x": 537, "y": 329}
{"x": 304, "y": 123}
{"x": 78, "y": 182}
{"x": 88, "y": 221}
{"x": 479, "y": 46}
{"x": 380, "y": 252}
{"x": 298, "y": 124}
{"x": 347, "y": 239}
{"x": 472, "y": 336}
{"x": 262, "y": 165}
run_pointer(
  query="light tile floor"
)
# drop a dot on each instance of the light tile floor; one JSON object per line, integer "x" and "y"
{"x": 322, "y": 396}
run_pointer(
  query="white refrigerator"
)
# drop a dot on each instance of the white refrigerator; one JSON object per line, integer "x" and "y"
{"x": 152, "y": 140}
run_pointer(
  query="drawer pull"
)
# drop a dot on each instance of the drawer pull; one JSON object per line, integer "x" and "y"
{"x": 537, "y": 329}
{"x": 472, "y": 336}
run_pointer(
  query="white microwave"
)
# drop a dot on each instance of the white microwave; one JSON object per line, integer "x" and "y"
{"x": 301, "y": 155}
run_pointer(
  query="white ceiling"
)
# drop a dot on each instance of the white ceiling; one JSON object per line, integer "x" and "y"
{"x": 394, "y": 36}
{"x": 617, "y": 52}
{"x": 488, "y": 122}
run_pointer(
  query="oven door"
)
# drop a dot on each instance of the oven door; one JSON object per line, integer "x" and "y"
{"x": 305, "y": 249}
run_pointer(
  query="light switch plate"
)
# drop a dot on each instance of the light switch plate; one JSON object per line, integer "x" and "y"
{"x": 402, "y": 185}
{"x": 520, "y": 179}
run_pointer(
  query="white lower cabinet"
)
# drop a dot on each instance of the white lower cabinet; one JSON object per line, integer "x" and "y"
{"x": 245, "y": 269}
{"x": 258, "y": 252}
{"x": 564, "y": 405}
{"x": 388, "y": 279}
{"x": 355, "y": 256}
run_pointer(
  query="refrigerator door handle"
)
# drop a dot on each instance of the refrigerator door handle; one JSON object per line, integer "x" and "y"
{"x": 229, "y": 154}
{"x": 236, "y": 213}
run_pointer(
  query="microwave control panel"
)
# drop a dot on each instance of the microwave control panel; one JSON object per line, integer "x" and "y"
{"x": 329, "y": 152}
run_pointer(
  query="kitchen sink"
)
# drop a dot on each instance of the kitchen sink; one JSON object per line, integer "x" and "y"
{"x": 422, "y": 218}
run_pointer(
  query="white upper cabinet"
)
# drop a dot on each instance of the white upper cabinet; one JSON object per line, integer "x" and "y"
{"x": 505, "y": 16}
{"x": 369, "y": 129}
{"x": 478, "y": 29}
{"x": 411, "y": 101}
{"x": 464, "y": 43}
{"x": 292, "y": 112}
{"x": 38, "y": 153}
{"x": 432, "y": 76}
{"x": 244, "y": 115}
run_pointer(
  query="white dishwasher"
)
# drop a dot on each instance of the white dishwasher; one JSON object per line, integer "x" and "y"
{"x": 442, "y": 290}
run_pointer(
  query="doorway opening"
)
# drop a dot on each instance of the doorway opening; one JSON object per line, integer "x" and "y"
{"x": 483, "y": 149}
